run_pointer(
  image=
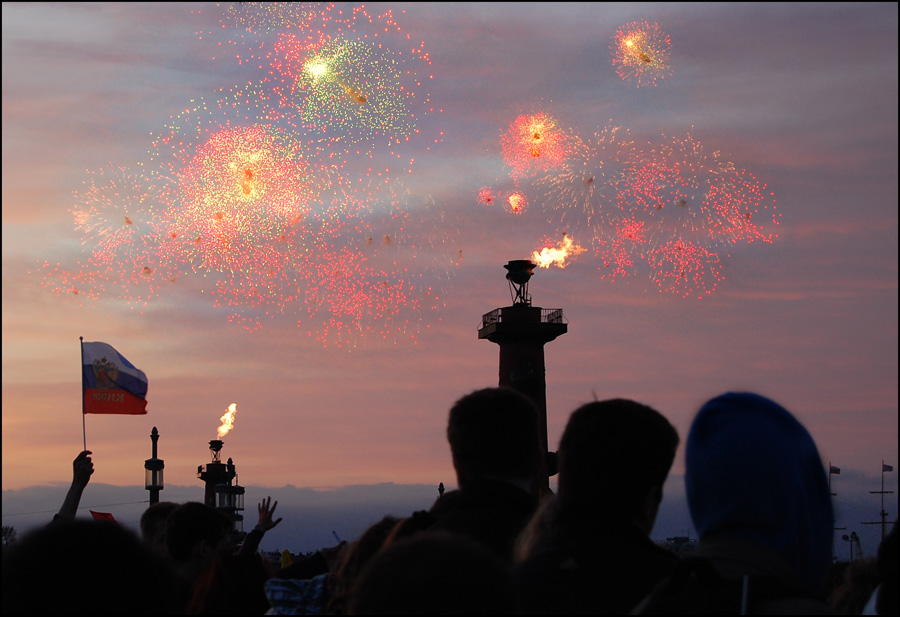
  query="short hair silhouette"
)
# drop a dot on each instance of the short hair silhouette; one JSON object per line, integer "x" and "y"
{"x": 614, "y": 452}
{"x": 232, "y": 585}
{"x": 437, "y": 574}
{"x": 153, "y": 523}
{"x": 493, "y": 432}
{"x": 192, "y": 523}
{"x": 356, "y": 555}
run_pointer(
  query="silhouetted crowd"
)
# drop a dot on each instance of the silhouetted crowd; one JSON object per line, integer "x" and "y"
{"x": 502, "y": 543}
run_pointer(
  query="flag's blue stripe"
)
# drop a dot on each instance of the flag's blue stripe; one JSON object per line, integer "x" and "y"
{"x": 125, "y": 381}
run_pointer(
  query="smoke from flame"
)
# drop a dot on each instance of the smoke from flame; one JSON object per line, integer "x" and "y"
{"x": 227, "y": 420}
{"x": 549, "y": 256}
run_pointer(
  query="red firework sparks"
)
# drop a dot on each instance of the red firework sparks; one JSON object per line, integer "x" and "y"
{"x": 685, "y": 268}
{"x": 486, "y": 196}
{"x": 532, "y": 144}
{"x": 742, "y": 209}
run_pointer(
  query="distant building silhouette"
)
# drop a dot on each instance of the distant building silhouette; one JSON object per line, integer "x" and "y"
{"x": 219, "y": 492}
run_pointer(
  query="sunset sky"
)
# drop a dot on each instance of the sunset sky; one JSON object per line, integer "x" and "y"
{"x": 344, "y": 340}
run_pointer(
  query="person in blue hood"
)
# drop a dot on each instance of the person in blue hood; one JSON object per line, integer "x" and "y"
{"x": 758, "y": 496}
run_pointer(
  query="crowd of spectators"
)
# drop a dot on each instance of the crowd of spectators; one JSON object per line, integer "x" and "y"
{"x": 498, "y": 544}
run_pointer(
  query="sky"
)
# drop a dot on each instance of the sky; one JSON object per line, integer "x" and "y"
{"x": 319, "y": 248}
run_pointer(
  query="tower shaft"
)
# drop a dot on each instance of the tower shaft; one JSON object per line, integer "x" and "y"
{"x": 521, "y": 331}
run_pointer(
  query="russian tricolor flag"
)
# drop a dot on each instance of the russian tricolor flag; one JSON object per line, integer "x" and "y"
{"x": 110, "y": 382}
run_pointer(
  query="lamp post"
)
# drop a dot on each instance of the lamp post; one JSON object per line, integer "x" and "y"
{"x": 852, "y": 539}
{"x": 153, "y": 471}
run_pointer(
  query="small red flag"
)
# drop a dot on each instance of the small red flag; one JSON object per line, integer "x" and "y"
{"x": 102, "y": 516}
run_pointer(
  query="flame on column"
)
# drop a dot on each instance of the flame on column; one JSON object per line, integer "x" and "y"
{"x": 227, "y": 420}
{"x": 549, "y": 255}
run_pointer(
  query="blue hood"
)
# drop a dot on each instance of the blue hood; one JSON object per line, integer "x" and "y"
{"x": 754, "y": 472}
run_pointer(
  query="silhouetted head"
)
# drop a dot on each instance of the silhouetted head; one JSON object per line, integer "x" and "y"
{"x": 231, "y": 585}
{"x": 87, "y": 567}
{"x": 753, "y": 472}
{"x": 612, "y": 455}
{"x": 434, "y": 574}
{"x": 355, "y": 556}
{"x": 153, "y": 525}
{"x": 195, "y": 532}
{"x": 493, "y": 433}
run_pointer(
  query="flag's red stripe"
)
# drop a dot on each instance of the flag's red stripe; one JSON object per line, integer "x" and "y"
{"x": 113, "y": 401}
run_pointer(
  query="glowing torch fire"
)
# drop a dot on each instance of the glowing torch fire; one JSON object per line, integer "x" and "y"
{"x": 227, "y": 420}
{"x": 549, "y": 256}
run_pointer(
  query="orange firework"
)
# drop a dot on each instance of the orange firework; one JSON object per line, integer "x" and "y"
{"x": 516, "y": 203}
{"x": 534, "y": 143}
{"x": 641, "y": 53}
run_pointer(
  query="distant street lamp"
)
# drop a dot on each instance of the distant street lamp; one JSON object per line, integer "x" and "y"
{"x": 852, "y": 539}
{"x": 153, "y": 471}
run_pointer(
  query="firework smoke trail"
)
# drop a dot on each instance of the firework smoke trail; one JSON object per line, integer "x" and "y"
{"x": 640, "y": 53}
{"x": 533, "y": 144}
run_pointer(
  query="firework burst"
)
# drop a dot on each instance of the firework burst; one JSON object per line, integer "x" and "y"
{"x": 268, "y": 16}
{"x": 579, "y": 196}
{"x": 117, "y": 212}
{"x": 487, "y": 196}
{"x": 640, "y": 53}
{"x": 238, "y": 195}
{"x": 742, "y": 209}
{"x": 620, "y": 251}
{"x": 669, "y": 192}
{"x": 350, "y": 88}
{"x": 684, "y": 268}
{"x": 532, "y": 144}
{"x": 280, "y": 192}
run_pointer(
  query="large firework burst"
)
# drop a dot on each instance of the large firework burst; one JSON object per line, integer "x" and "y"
{"x": 532, "y": 144}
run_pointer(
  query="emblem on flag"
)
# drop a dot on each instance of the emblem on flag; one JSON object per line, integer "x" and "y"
{"x": 110, "y": 383}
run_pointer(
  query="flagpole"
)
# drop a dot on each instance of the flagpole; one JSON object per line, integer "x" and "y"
{"x": 83, "y": 431}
